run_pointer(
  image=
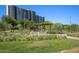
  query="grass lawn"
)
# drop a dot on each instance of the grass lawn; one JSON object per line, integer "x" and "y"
{"x": 41, "y": 46}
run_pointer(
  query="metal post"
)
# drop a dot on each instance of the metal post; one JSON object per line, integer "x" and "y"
{"x": 50, "y": 27}
{"x": 70, "y": 24}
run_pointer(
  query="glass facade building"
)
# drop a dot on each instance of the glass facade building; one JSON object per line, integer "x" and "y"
{"x": 23, "y": 14}
{"x": 39, "y": 19}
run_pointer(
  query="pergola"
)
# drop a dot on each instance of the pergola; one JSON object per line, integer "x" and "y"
{"x": 44, "y": 25}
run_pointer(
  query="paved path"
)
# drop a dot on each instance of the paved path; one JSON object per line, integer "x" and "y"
{"x": 62, "y": 35}
{"x": 44, "y": 33}
{"x": 69, "y": 37}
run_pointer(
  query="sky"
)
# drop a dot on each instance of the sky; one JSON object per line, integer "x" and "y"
{"x": 52, "y": 13}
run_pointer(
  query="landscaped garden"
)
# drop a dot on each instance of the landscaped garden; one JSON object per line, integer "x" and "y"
{"x": 20, "y": 41}
{"x": 26, "y": 36}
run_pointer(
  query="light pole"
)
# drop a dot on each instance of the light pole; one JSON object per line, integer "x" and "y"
{"x": 70, "y": 24}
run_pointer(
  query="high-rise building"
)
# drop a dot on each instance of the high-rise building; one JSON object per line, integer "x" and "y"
{"x": 42, "y": 19}
{"x": 31, "y": 15}
{"x": 39, "y": 19}
{"x": 23, "y": 14}
{"x": 11, "y": 11}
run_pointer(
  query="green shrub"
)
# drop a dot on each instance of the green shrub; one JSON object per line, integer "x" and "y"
{"x": 1, "y": 40}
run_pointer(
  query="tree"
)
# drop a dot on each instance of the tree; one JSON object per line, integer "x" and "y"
{"x": 26, "y": 23}
{"x": 74, "y": 27}
{"x": 3, "y": 26}
{"x": 66, "y": 28}
{"x": 8, "y": 19}
{"x": 29, "y": 24}
{"x": 18, "y": 26}
{"x": 10, "y": 26}
{"x": 58, "y": 27}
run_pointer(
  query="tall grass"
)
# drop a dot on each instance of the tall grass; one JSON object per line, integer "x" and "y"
{"x": 23, "y": 36}
{"x": 23, "y": 42}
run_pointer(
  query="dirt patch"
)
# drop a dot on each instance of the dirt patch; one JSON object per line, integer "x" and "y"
{"x": 72, "y": 50}
{"x": 38, "y": 43}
